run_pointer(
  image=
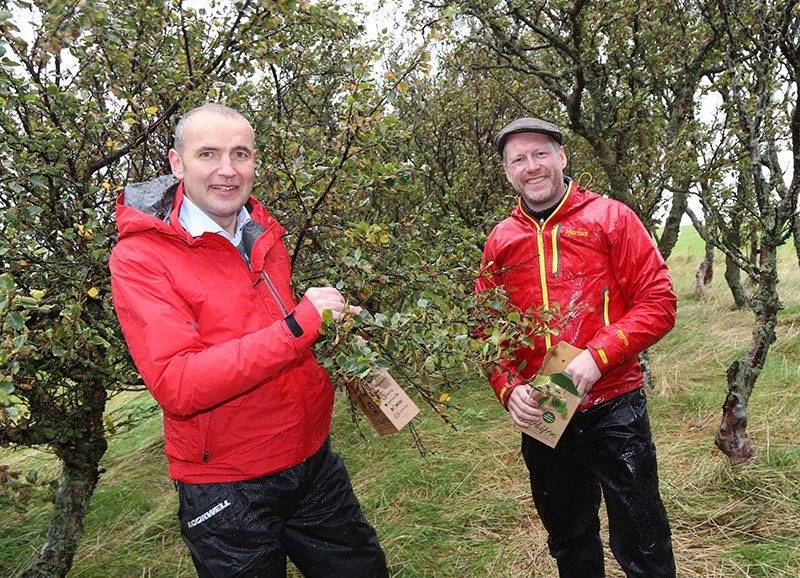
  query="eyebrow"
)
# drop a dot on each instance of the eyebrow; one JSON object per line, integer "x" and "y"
{"x": 209, "y": 148}
{"x": 531, "y": 151}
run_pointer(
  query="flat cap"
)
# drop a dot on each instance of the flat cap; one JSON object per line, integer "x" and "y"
{"x": 527, "y": 124}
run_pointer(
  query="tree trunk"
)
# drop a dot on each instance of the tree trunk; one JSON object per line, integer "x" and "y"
{"x": 734, "y": 280}
{"x": 647, "y": 370}
{"x": 733, "y": 238}
{"x": 78, "y": 479}
{"x": 796, "y": 235}
{"x": 672, "y": 226}
{"x": 754, "y": 258}
{"x": 80, "y": 456}
{"x": 705, "y": 273}
{"x": 732, "y": 438}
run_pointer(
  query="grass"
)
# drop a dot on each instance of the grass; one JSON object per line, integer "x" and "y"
{"x": 465, "y": 509}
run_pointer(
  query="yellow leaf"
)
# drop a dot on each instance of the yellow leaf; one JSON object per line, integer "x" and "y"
{"x": 106, "y": 185}
{"x": 444, "y": 398}
{"x": 151, "y": 110}
{"x": 110, "y": 143}
{"x": 93, "y": 292}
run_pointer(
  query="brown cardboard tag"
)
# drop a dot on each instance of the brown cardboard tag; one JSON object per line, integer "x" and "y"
{"x": 553, "y": 423}
{"x": 386, "y": 405}
{"x": 558, "y": 358}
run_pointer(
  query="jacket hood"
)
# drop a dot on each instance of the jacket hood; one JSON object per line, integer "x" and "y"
{"x": 147, "y": 205}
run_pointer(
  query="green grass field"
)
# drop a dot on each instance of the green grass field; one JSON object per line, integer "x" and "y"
{"x": 465, "y": 509}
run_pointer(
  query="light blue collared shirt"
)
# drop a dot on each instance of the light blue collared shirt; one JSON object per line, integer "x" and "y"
{"x": 196, "y": 222}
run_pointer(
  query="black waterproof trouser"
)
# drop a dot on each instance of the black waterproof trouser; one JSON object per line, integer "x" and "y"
{"x": 607, "y": 449}
{"x": 307, "y": 512}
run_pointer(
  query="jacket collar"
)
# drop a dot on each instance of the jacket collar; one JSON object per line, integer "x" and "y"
{"x": 196, "y": 222}
{"x": 521, "y": 212}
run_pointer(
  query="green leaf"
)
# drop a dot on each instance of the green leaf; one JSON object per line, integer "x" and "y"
{"x": 559, "y": 405}
{"x": 540, "y": 380}
{"x": 564, "y": 381}
{"x": 6, "y": 282}
{"x": 15, "y": 320}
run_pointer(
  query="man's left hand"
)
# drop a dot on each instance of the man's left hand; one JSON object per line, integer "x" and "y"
{"x": 584, "y": 372}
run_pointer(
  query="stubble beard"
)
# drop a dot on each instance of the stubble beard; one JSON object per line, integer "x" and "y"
{"x": 540, "y": 200}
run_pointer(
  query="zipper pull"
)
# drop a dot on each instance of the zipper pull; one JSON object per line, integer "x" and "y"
{"x": 205, "y": 457}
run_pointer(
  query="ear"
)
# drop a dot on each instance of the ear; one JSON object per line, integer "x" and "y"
{"x": 175, "y": 163}
{"x": 562, "y": 157}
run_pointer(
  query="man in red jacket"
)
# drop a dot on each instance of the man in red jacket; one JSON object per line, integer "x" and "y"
{"x": 569, "y": 250}
{"x": 201, "y": 286}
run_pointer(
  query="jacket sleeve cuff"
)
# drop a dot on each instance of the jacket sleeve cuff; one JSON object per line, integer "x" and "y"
{"x": 303, "y": 323}
{"x": 601, "y": 359}
{"x": 504, "y": 391}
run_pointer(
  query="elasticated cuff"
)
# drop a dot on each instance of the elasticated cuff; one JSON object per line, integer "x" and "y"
{"x": 303, "y": 323}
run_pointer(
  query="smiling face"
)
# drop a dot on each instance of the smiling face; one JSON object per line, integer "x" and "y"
{"x": 534, "y": 166}
{"x": 217, "y": 165}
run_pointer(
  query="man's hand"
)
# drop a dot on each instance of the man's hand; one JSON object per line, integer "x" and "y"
{"x": 323, "y": 298}
{"x": 584, "y": 372}
{"x": 523, "y": 408}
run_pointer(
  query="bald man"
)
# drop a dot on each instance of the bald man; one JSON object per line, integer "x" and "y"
{"x": 201, "y": 285}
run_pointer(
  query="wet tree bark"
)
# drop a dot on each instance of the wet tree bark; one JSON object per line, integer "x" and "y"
{"x": 647, "y": 370}
{"x": 79, "y": 475}
{"x": 734, "y": 279}
{"x": 733, "y": 238}
{"x": 732, "y": 438}
{"x": 672, "y": 226}
{"x": 796, "y": 235}
{"x": 705, "y": 272}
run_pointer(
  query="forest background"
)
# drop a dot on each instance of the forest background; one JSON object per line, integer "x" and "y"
{"x": 376, "y": 155}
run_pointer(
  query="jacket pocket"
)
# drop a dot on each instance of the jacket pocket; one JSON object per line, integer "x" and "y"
{"x": 187, "y": 440}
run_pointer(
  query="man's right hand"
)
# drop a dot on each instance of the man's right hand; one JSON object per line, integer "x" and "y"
{"x": 523, "y": 408}
{"x": 323, "y": 298}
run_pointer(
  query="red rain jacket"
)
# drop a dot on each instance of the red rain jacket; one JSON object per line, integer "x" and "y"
{"x": 594, "y": 258}
{"x": 242, "y": 394}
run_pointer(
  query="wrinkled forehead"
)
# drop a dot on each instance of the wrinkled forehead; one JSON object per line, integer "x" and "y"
{"x": 211, "y": 129}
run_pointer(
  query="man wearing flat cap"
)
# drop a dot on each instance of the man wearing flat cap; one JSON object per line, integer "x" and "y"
{"x": 572, "y": 251}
